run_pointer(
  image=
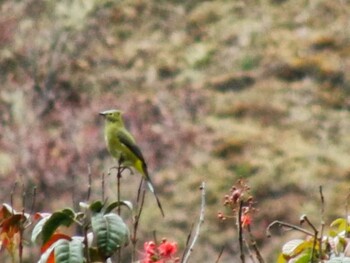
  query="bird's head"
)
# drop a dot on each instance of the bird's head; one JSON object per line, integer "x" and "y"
{"x": 112, "y": 115}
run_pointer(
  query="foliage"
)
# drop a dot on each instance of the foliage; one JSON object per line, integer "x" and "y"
{"x": 104, "y": 233}
{"x": 213, "y": 90}
{"x": 317, "y": 246}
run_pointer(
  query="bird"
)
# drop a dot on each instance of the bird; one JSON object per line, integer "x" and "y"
{"x": 122, "y": 146}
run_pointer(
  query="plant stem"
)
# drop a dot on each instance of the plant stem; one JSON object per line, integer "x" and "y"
{"x": 240, "y": 232}
{"x": 119, "y": 176}
{"x": 141, "y": 193}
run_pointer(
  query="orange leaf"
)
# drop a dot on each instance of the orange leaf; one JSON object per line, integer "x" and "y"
{"x": 53, "y": 239}
{"x": 12, "y": 225}
{"x": 51, "y": 258}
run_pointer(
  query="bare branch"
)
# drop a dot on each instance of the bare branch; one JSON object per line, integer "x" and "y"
{"x": 200, "y": 222}
{"x": 220, "y": 254}
{"x": 287, "y": 225}
{"x": 141, "y": 193}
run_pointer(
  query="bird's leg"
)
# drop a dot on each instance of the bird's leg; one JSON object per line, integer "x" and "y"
{"x": 120, "y": 166}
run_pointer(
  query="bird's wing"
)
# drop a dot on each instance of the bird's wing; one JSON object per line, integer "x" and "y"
{"x": 128, "y": 141}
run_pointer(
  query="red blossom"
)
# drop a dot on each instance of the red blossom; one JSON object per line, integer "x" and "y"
{"x": 149, "y": 248}
{"x": 162, "y": 254}
{"x": 167, "y": 249}
{"x": 246, "y": 220}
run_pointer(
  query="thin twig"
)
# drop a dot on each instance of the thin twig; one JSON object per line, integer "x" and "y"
{"x": 254, "y": 245}
{"x": 240, "y": 232}
{"x": 220, "y": 254}
{"x": 200, "y": 222}
{"x": 21, "y": 227}
{"x": 74, "y": 199}
{"x": 290, "y": 226}
{"x": 322, "y": 222}
{"x": 89, "y": 183}
{"x": 189, "y": 236}
{"x": 11, "y": 196}
{"x": 315, "y": 235}
{"x": 33, "y": 201}
{"x": 119, "y": 176}
{"x": 103, "y": 186}
{"x": 250, "y": 254}
{"x": 141, "y": 193}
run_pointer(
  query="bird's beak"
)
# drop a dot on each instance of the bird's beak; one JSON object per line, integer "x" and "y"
{"x": 102, "y": 113}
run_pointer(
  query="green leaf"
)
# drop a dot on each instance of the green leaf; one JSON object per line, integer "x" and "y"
{"x": 281, "y": 259}
{"x": 65, "y": 251}
{"x": 304, "y": 258}
{"x": 57, "y": 219}
{"x": 115, "y": 204}
{"x": 38, "y": 228}
{"x": 294, "y": 247}
{"x": 69, "y": 251}
{"x": 96, "y": 207}
{"x": 110, "y": 232}
{"x": 340, "y": 223}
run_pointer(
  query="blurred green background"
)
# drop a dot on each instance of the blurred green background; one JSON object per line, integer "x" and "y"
{"x": 212, "y": 90}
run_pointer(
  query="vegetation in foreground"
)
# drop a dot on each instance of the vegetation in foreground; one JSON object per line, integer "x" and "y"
{"x": 247, "y": 89}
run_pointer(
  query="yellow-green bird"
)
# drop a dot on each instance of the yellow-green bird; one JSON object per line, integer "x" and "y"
{"x": 122, "y": 146}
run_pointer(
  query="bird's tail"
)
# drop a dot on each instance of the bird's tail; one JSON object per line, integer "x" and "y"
{"x": 151, "y": 188}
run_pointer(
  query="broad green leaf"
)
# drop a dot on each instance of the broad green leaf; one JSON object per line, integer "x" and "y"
{"x": 294, "y": 247}
{"x": 69, "y": 252}
{"x": 115, "y": 204}
{"x": 110, "y": 233}
{"x": 57, "y": 219}
{"x": 38, "y": 228}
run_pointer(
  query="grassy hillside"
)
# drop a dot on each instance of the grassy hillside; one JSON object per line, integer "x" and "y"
{"x": 213, "y": 91}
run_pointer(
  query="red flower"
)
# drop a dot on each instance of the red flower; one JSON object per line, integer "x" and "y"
{"x": 167, "y": 249}
{"x": 246, "y": 220}
{"x": 161, "y": 254}
{"x": 149, "y": 247}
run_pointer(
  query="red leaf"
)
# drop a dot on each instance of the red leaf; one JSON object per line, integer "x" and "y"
{"x": 51, "y": 258}
{"x": 38, "y": 216}
{"x": 53, "y": 239}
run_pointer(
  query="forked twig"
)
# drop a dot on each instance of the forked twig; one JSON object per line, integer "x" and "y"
{"x": 200, "y": 222}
